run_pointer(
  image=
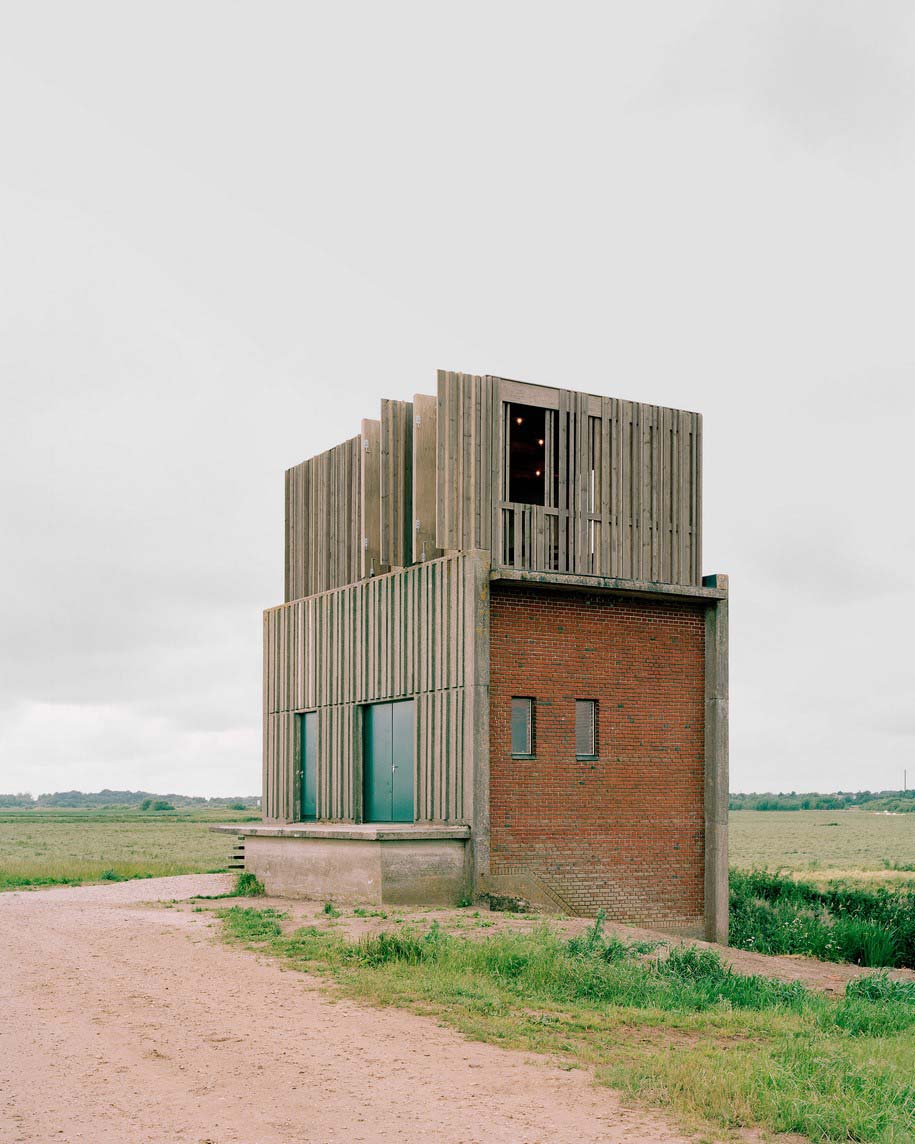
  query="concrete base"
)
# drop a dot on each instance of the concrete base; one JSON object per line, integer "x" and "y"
{"x": 395, "y": 866}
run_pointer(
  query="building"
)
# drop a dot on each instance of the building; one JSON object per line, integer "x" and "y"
{"x": 499, "y": 669}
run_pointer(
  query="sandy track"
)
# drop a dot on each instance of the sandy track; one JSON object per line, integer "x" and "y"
{"x": 130, "y": 1024}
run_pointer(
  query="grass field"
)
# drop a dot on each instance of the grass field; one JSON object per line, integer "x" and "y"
{"x": 846, "y": 841}
{"x": 41, "y": 847}
{"x": 48, "y": 847}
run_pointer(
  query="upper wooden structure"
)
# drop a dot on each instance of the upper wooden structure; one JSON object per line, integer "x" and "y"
{"x": 544, "y": 479}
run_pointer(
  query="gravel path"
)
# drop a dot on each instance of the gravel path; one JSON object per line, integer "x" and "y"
{"x": 130, "y": 1024}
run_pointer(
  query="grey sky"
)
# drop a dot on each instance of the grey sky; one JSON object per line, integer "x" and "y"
{"x": 227, "y": 230}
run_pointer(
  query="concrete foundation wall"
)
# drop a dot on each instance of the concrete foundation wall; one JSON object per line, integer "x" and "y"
{"x": 432, "y": 871}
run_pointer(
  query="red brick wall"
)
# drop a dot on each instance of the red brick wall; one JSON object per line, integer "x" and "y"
{"x": 624, "y": 831}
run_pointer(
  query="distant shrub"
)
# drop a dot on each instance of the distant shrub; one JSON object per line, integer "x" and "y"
{"x": 16, "y": 800}
{"x": 896, "y": 802}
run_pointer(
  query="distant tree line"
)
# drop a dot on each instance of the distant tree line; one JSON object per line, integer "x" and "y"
{"x": 134, "y": 799}
{"x": 895, "y": 801}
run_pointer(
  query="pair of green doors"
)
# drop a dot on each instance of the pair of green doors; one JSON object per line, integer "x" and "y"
{"x": 387, "y": 763}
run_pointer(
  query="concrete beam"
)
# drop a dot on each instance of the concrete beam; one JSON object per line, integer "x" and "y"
{"x": 708, "y": 592}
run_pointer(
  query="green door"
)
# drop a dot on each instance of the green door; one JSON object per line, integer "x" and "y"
{"x": 310, "y": 764}
{"x": 388, "y": 762}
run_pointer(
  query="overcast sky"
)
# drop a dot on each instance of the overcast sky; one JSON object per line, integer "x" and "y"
{"x": 227, "y": 230}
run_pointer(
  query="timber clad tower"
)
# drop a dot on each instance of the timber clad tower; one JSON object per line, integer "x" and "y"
{"x": 499, "y": 669}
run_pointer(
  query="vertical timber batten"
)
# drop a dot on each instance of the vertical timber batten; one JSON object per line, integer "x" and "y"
{"x": 396, "y": 483}
{"x": 370, "y": 467}
{"x": 425, "y": 416}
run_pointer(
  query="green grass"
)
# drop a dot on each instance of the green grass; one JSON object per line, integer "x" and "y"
{"x": 821, "y": 840}
{"x": 774, "y": 913}
{"x": 686, "y": 1033}
{"x": 67, "y": 847}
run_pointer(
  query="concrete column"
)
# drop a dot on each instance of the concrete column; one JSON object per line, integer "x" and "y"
{"x": 476, "y": 706}
{"x": 716, "y": 764}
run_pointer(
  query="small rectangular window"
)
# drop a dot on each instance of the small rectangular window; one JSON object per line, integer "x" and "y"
{"x": 586, "y": 728}
{"x": 522, "y": 726}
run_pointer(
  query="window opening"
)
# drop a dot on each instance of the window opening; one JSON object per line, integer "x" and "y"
{"x": 586, "y": 728}
{"x": 527, "y": 454}
{"x": 522, "y": 726}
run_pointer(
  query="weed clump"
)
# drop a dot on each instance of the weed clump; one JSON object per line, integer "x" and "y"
{"x": 245, "y": 923}
{"x": 248, "y": 885}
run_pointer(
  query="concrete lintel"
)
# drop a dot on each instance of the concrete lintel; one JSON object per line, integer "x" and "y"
{"x": 708, "y": 592}
{"x": 364, "y": 831}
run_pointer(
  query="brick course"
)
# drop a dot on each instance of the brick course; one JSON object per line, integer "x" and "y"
{"x": 624, "y": 831}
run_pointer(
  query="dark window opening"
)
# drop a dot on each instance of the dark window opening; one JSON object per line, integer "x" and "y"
{"x": 522, "y": 726}
{"x": 526, "y": 454}
{"x": 586, "y": 728}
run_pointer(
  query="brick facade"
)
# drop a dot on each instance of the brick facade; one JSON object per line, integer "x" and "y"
{"x": 623, "y": 832}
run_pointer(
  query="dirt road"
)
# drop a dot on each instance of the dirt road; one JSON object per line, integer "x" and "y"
{"x": 128, "y": 1023}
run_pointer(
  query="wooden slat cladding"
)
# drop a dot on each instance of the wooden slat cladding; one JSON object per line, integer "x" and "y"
{"x": 629, "y": 489}
{"x": 396, "y": 483}
{"x": 623, "y": 497}
{"x": 394, "y": 636}
{"x": 465, "y": 461}
{"x": 323, "y": 521}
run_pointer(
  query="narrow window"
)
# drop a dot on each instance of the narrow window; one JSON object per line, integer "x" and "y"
{"x": 586, "y": 728}
{"x": 522, "y": 726}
